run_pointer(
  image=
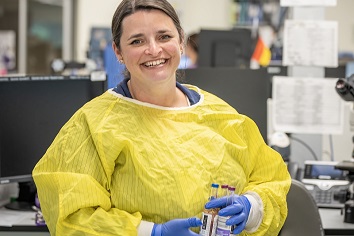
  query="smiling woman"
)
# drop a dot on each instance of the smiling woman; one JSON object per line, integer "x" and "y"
{"x": 150, "y": 47}
{"x": 139, "y": 159}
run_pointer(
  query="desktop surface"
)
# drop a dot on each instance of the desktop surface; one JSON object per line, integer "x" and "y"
{"x": 20, "y": 223}
{"x": 333, "y": 222}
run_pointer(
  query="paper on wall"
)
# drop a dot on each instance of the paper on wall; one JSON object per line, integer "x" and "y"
{"x": 310, "y": 43}
{"x": 306, "y": 106}
{"x": 289, "y": 3}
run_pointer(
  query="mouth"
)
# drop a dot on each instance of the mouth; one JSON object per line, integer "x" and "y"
{"x": 155, "y": 63}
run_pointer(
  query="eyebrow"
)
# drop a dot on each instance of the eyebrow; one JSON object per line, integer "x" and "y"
{"x": 135, "y": 36}
{"x": 141, "y": 35}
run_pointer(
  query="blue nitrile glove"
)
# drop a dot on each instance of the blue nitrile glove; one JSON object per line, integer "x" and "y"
{"x": 239, "y": 211}
{"x": 177, "y": 227}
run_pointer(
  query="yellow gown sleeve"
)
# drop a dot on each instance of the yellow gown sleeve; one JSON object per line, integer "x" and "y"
{"x": 269, "y": 178}
{"x": 73, "y": 183}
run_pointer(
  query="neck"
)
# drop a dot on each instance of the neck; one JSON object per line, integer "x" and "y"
{"x": 172, "y": 97}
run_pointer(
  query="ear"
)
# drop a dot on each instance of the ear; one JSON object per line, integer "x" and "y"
{"x": 181, "y": 47}
{"x": 117, "y": 52}
{"x": 182, "y": 44}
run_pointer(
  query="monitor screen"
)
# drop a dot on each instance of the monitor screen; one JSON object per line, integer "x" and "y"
{"x": 33, "y": 109}
{"x": 323, "y": 171}
{"x": 244, "y": 89}
{"x": 225, "y": 48}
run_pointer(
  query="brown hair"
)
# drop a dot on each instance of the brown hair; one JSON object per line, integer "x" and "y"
{"x": 128, "y": 7}
{"x": 192, "y": 41}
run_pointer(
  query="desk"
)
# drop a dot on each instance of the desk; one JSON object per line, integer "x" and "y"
{"x": 24, "y": 226}
{"x": 333, "y": 222}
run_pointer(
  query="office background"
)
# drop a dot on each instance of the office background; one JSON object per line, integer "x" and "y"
{"x": 196, "y": 14}
{"x": 78, "y": 17}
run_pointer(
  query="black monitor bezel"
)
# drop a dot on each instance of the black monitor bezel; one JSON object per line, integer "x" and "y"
{"x": 98, "y": 87}
{"x": 209, "y": 39}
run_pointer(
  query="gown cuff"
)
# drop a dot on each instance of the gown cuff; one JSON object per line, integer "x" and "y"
{"x": 145, "y": 228}
{"x": 256, "y": 213}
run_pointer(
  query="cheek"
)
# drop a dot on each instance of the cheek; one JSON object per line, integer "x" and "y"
{"x": 132, "y": 57}
{"x": 173, "y": 48}
{"x": 174, "y": 51}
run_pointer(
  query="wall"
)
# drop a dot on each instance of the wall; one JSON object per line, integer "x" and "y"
{"x": 194, "y": 14}
{"x": 91, "y": 13}
{"x": 342, "y": 13}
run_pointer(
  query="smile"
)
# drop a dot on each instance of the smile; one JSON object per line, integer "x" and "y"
{"x": 155, "y": 63}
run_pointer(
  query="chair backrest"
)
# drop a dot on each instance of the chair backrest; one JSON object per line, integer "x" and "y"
{"x": 294, "y": 170}
{"x": 303, "y": 216}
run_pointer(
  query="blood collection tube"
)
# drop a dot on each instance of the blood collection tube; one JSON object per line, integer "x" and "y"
{"x": 222, "y": 229}
{"x": 213, "y": 191}
{"x": 231, "y": 195}
{"x": 224, "y": 190}
{"x": 210, "y": 216}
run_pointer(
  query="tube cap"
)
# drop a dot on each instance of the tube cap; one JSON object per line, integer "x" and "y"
{"x": 232, "y": 188}
{"x": 226, "y": 186}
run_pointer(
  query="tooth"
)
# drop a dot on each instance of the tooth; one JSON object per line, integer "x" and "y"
{"x": 155, "y": 63}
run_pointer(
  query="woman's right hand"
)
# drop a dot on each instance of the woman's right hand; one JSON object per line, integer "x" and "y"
{"x": 177, "y": 227}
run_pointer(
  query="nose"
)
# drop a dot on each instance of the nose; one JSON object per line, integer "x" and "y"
{"x": 153, "y": 48}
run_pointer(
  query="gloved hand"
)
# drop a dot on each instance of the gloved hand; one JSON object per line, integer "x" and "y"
{"x": 239, "y": 211}
{"x": 177, "y": 227}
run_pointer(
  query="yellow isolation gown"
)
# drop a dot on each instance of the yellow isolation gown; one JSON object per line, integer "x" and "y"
{"x": 118, "y": 161}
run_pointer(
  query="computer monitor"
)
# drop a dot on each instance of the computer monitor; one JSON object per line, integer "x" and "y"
{"x": 244, "y": 89}
{"x": 336, "y": 72}
{"x": 33, "y": 109}
{"x": 225, "y": 48}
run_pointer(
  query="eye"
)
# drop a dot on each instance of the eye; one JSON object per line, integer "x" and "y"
{"x": 136, "y": 42}
{"x": 165, "y": 37}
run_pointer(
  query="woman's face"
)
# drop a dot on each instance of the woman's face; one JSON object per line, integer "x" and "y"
{"x": 150, "y": 46}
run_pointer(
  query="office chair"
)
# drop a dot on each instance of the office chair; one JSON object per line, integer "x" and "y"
{"x": 294, "y": 170}
{"x": 303, "y": 216}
